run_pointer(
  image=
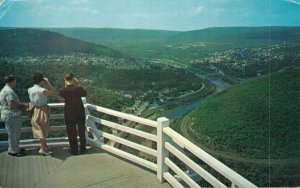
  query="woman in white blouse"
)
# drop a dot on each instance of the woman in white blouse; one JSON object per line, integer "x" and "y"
{"x": 40, "y": 120}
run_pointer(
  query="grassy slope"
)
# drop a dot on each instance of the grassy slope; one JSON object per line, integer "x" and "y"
{"x": 249, "y": 117}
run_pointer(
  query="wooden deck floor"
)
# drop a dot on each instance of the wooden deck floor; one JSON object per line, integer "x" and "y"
{"x": 96, "y": 168}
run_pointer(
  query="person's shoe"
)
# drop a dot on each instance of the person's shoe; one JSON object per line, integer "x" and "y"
{"x": 22, "y": 150}
{"x": 19, "y": 154}
{"x": 72, "y": 152}
{"x": 45, "y": 153}
{"x": 83, "y": 150}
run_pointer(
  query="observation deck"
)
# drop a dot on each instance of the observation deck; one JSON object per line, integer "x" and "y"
{"x": 125, "y": 151}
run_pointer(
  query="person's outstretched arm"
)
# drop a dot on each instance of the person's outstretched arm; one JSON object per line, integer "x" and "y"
{"x": 51, "y": 91}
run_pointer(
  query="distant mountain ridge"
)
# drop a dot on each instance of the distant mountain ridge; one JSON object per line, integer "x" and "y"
{"x": 24, "y": 41}
{"x": 103, "y": 35}
{"x": 273, "y": 33}
{"x": 177, "y": 46}
{"x": 184, "y": 46}
{"x": 114, "y": 35}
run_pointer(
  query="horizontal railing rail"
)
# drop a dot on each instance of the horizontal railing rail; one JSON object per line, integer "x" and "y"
{"x": 122, "y": 115}
{"x": 123, "y": 128}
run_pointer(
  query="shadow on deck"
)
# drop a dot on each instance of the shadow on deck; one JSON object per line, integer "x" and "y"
{"x": 95, "y": 168}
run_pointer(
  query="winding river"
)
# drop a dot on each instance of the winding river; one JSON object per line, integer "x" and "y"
{"x": 186, "y": 108}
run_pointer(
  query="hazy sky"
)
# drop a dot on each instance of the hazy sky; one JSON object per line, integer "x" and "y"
{"x": 149, "y": 14}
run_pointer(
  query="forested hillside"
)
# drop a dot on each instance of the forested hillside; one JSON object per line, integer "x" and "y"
{"x": 256, "y": 120}
{"x": 22, "y": 42}
{"x": 247, "y": 112}
{"x": 150, "y": 79}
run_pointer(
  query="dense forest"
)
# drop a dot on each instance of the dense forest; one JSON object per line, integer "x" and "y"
{"x": 150, "y": 79}
{"x": 255, "y": 120}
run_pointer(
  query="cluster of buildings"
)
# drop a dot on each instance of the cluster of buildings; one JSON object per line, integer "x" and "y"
{"x": 76, "y": 58}
{"x": 243, "y": 58}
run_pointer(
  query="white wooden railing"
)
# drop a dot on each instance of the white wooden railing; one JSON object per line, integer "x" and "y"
{"x": 167, "y": 141}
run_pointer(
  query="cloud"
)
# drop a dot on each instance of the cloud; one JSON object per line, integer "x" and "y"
{"x": 64, "y": 10}
{"x": 220, "y": 1}
{"x": 223, "y": 1}
{"x": 197, "y": 10}
{"x": 219, "y": 11}
{"x": 294, "y": 1}
{"x": 203, "y": 10}
{"x": 1, "y": 2}
{"x": 79, "y": 2}
{"x": 141, "y": 15}
{"x": 5, "y": 8}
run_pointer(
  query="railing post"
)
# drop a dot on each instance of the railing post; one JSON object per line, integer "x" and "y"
{"x": 86, "y": 113}
{"x": 89, "y": 123}
{"x": 161, "y": 151}
{"x": 83, "y": 100}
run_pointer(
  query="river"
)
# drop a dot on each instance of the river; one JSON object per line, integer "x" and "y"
{"x": 186, "y": 108}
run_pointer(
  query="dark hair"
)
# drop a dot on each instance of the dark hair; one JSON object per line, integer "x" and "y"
{"x": 9, "y": 78}
{"x": 37, "y": 78}
{"x": 69, "y": 76}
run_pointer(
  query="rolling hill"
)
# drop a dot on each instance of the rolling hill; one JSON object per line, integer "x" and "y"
{"x": 246, "y": 112}
{"x": 256, "y": 120}
{"x": 14, "y": 42}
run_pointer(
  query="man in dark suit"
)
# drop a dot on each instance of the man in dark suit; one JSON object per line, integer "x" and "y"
{"x": 74, "y": 113}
